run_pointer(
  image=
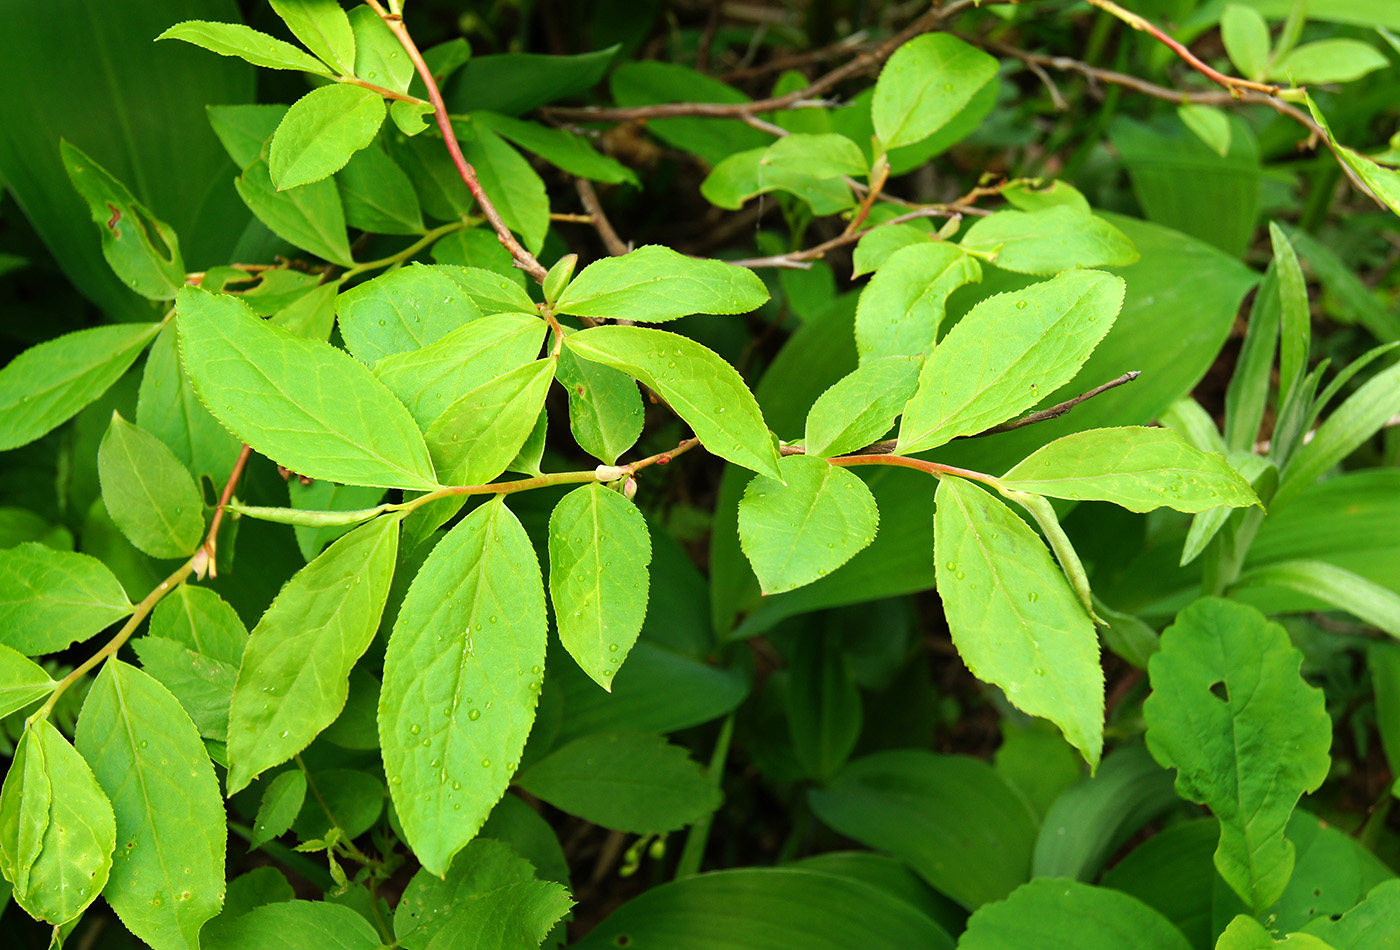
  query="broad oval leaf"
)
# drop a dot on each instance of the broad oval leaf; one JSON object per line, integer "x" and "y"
{"x": 773, "y": 909}
{"x": 298, "y": 925}
{"x": 512, "y": 184}
{"x": 57, "y": 832}
{"x": 1378, "y": 917}
{"x": 21, "y": 680}
{"x": 148, "y": 492}
{"x": 325, "y": 29}
{"x": 1334, "y": 60}
{"x": 862, "y": 406}
{"x": 303, "y": 403}
{"x": 928, "y": 81}
{"x": 1247, "y": 755}
{"x": 654, "y": 283}
{"x": 379, "y": 56}
{"x": 628, "y": 781}
{"x": 168, "y": 873}
{"x": 404, "y": 310}
{"x": 599, "y": 549}
{"x": 477, "y": 436}
{"x": 605, "y": 407}
{"x": 377, "y": 194}
{"x": 1057, "y": 914}
{"x": 880, "y": 243}
{"x": 50, "y": 599}
{"x": 429, "y": 902}
{"x": 310, "y": 217}
{"x": 806, "y": 524}
{"x": 1049, "y": 240}
{"x": 1008, "y": 352}
{"x": 235, "y": 39}
{"x": 1014, "y": 618}
{"x": 566, "y": 150}
{"x": 1137, "y": 467}
{"x": 902, "y": 307}
{"x": 280, "y": 805}
{"x": 296, "y": 667}
{"x": 490, "y": 291}
{"x": 168, "y": 408}
{"x": 701, "y": 387}
{"x": 1246, "y": 36}
{"x": 321, "y": 131}
{"x": 47, "y": 384}
{"x": 462, "y": 675}
{"x": 821, "y": 155}
{"x": 740, "y": 177}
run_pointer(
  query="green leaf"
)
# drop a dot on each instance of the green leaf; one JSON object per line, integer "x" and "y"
{"x": 950, "y": 818}
{"x": 303, "y": 403}
{"x": 1333, "y": 585}
{"x": 517, "y": 915}
{"x": 1246, "y": 37}
{"x": 1247, "y": 755}
{"x": 430, "y": 904}
{"x": 627, "y": 781}
{"x": 406, "y": 309}
{"x": 168, "y": 875}
{"x": 50, "y": 599}
{"x": 1246, "y": 933}
{"x": 1370, "y": 925}
{"x": 1048, "y": 241}
{"x": 142, "y": 250}
{"x": 516, "y": 83}
{"x": 492, "y": 292}
{"x": 280, "y": 805}
{"x": 654, "y": 284}
{"x": 168, "y": 409}
{"x": 379, "y": 56}
{"x": 605, "y": 407}
{"x": 1006, "y": 354}
{"x": 927, "y": 82}
{"x": 900, "y": 310}
{"x": 57, "y": 833}
{"x": 1334, "y": 60}
{"x": 1013, "y": 617}
{"x": 703, "y": 389}
{"x": 201, "y": 620}
{"x": 1295, "y": 317}
{"x": 823, "y": 704}
{"x": 1211, "y": 125}
{"x": 649, "y": 82}
{"x": 823, "y": 155}
{"x": 243, "y": 130}
{"x": 742, "y": 176}
{"x": 1383, "y": 182}
{"x": 235, "y": 39}
{"x": 294, "y": 673}
{"x": 862, "y": 406}
{"x": 327, "y": 503}
{"x": 310, "y": 217}
{"x": 21, "y": 680}
{"x": 430, "y": 380}
{"x": 1383, "y": 663}
{"x": 1136, "y": 467}
{"x": 599, "y": 549}
{"x": 477, "y": 436}
{"x": 202, "y": 684}
{"x": 1056, "y": 914}
{"x": 512, "y": 185}
{"x": 773, "y": 909}
{"x": 148, "y": 492}
{"x": 321, "y": 131}
{"x": 806, "y": 523}
{"x": 47, "y": 384}
{"x": 563, "y": 149}
{"x": 377, "y": 194}
{"x": 323, "y": 26}
{"x": 880, "y": 243}
{"x": 461, "y": 680}
{"x": 355, "y": 798}
{"x": 298, "y": 925}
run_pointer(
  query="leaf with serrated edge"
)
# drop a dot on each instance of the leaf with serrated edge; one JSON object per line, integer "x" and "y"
{"x": 504, "y": 918}
{"x": 303, "y": 403}
{"x": 1049, "y": 240}
{"x": 628, "y": 781}
{"x": 478, "y": 435}
{"x": 310, "y": 217}
{"x": 490, "y": 291}
{"x": 168, "y": 872}
{"x": 796, "y": 532}
{"x": 512, "y": 183}
{"x": 280, "y": 805}
{"x": 235, "y": 39}
{"x": 404, "y": 310}
{"x": 1136, "y": 467}
{"x": 47, "y": 384}
{"x": 294, "y": 677}
{"x": 900, "y": 310}
{"x": 148, "y": 492}
{"x": 701, "y": 387}
{"x": 1013, "y": 617}
{"x": 862, "y": 406}
{"x": 299, "y": 925}
{"x": 57, "y": 832}
{"x": 924, "y": 85}
{"x": 429, "y": 902}
{"x": 50, "y": 599}
{"x": 605, "y": 407}
{"x": 321, "y": 131}
{"x": 654, "y": 283}
{"x": 325, "y": 29}
{"x": 21, "y": 680}
{"x": 1249, "y": 755}
{"x": 599, "y": 549}
{"x": 168, "y": 408}
{"x": 461, "y": 679}
{"x": 1008, "y": 352}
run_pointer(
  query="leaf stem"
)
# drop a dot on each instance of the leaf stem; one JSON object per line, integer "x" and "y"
{"x": 937, "y": 469}
{"x": 428, "y": 238}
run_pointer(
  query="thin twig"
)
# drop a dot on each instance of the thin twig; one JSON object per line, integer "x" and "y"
{"x": 1054, "y": 412}
{"x": 211, "y": 541}
{"x": 797, "y": 260}
{"x": 615, "y": 245}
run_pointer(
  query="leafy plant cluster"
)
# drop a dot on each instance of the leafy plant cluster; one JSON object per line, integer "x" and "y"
{"x": 349, "y": 591}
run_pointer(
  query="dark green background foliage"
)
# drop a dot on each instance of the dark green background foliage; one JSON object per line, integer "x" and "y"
{"x": 687, "y": 475}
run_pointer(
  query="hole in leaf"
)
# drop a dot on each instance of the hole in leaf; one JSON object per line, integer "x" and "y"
{"x": 623, "y": 940}
{"x": 1220, "y": 691}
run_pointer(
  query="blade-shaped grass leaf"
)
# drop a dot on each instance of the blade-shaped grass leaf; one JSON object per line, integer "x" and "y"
{"x": 653, "y": 284}
{"x": 57, "y": 832}
{"x": 21, "y": 680}
{"x": 1008, "y": 352}
{"x": 1343, "y": 589}
{"x": 148, "y": 492}
{"x": 403, "y": 310}
{"x": 1048, "y": 241}
{"x": 168, "y": 873}
{"x": 701, "y": 387}
{"x": 1014, "y": 618}
{"x": 1247, "y": 754}
{"x": 47, "y": 384}
{"x": 321, "y": 131}
{"x": 605, "y": 407}
{"x": 1137, "y": 467}
{"x": 303, "y": 403}
{"x": 862, "y": 406}
{"x": 462, "y": 675}
{"x": 477, "y": 436}
{"x": 901, "y": 308}
{"x": 599, "y": 549}
{"x": 295, "y": 670}
{"x": 235, "y": 39}
{"x": 796, "y": 532}
{"x": 50, "y": 599}
{"x": 925, "y": 84}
